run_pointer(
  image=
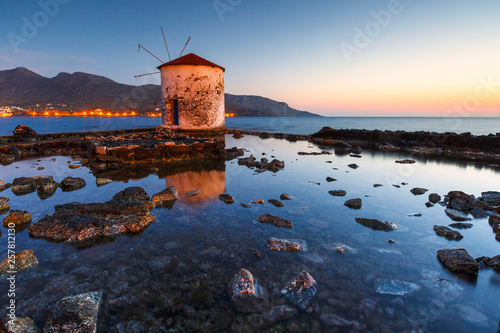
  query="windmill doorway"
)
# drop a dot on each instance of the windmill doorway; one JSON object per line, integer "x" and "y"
{"x": 176, "y": 112}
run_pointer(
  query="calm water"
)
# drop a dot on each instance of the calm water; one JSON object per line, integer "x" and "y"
{"x": 175, "y": 273}
{"x": 292, "y": 125}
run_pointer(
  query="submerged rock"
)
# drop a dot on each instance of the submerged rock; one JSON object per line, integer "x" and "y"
{"x": 418, "y": 190}
{"x": 277, "y": 221}
{"x": 21, "y": 325}
{"x": 192, "y": 193}
{"x": 70, "y": 184}
{"x": 17, "y": 217}
{"x": 334, "y": 320}
{"x": 353, "y": 203}
{"x": 434, "y": 198}
{"x": 456, "y": 215}
{"x": 301, "y": 291}
{"x": 74, "y": 314}
{"x": 269, "y": 318}
{"x": 459, "y": 200}
{"x": 461, "y": 225}
{"x": 4, "y": 185}
{"x": 276, "y": 244}
{"x": 458, "y": 261}
{"x": 447, "y": 233}
{"x": 338, "y": 193}
{"x": 23, "y": 185}
{"x": 246, "y": 294}
{"x": 165, "y": 197}
{"x": 344, "y": 249}
{"x": 22, "y": 260}
{"x": 286, "y": 196}
{"x": 376, "y": 224}
{"x": 227, "y": 198}
{"x": 275, "y": 202}
{"x": 395, "y": 287}
{"x": 85, "y": 224}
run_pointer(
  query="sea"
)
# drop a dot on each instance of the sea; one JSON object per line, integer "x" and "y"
{"x": 175, "y": 275}
{"x": 291, "y": 125}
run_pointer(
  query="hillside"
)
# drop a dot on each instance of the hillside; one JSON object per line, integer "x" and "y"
{"x": 82, "y": 91}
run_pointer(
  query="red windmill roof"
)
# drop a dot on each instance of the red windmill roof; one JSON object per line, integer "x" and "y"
{"x": 191, "y": 59}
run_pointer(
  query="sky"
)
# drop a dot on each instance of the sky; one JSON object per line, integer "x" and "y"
{"x": 332, "y": 57}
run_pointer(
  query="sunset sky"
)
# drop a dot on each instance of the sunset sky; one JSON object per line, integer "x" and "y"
{"x": 335, "y": 57}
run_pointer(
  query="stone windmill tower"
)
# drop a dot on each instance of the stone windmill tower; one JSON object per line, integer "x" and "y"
{"x": 192, "y": 89}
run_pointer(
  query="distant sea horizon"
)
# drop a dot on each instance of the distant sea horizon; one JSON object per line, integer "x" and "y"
{"x": 291, "y": 125}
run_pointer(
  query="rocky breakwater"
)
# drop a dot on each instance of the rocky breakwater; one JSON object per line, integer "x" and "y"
{"x": 463, "y": 146}
{"x": 85, "y": 224}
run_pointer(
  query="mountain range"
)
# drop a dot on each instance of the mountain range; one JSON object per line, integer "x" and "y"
{"x": 82, "y": 91}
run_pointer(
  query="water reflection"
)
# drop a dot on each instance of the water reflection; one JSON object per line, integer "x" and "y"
{"x": 210, "y": 183}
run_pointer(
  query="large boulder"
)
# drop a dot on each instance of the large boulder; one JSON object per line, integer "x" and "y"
{"x": 493, "y": 262}
{"x": 458, "y": 261}
{"x": 85, "y": 224}
{"x": 22, "y": 260}
{"x": 23, "y": 130}
{"x": 459, "y": 200}
{"x": 447, "y": 233}
{"x": 376, "y": 224}
{"x": 491, "y": 198}
{"x": 23, "y": 185}
{"x": 45, "y": 186}
{"x": 74, "y": 314}
{"x": 70, "y": 184}
{"x": 301, "y": 291}
{"x": 246, "y": 294}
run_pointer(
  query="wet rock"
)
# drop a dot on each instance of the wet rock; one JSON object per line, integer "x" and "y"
{"x": 315, "y": 153}
{"x": 102, "y": 181}
{"x": 461, "y": 225}
{"x": 457, "y": 215}
{"x": 458, "y": 261}
{"x": 248, "y": 161}
{"x": 86, "y": 224}
{"x": 434, "y": 198}
{"x": 355, "y": 155}
{"x": 494, "y": 222}
{"x": 246, "y": 294}
{"x": 274, "y": 166}
{"x": 4, "y": 185}
{"x": 447, "y": 233}
{"x": 330, "y": 179}
{"x": 333, "y": 320}
{"x": 301, "y": 291}
{"x": 45, "y": 186}
{"x": 259, "y": 202}
{"x": 396, "y": 186}
{"x": 70, "y": 184}
{"x": 133, "y": 193}
{"x": 276, "y": 244}
{"x": 227, "y": 198}
{"x": 22, "y": 260}
{"x": 237, "y": 135}
{"x": 414, "y": 214}
{"x": 429, "y": 204}
{"x": 17, "y": 217}
{"x": 277, "y": 313}
{"x": 459, "y": 200}
{"x": 25, "y": 131}
{"x": 23, "y": 185}
{"x": 20, "y": 325}
{"x": 353, "y": 203}
{"x": 74, "y": 314}
{"x": 245, "y": 205}
{"x": 7, "y": 159}
{"x": 353, "y": 166}
{"x": 492, "y": 262}
{"x": 377, "y": 185}
{"x": 74, "y": 166}
{"x": 345, "y": 249}
{"x": 395, "y": 287}
{"x": 275, "y": 202}
{"x": 405, "y": 161}
{"x": 418, "y": 190}
{"x": 165, "y": 197}
{"x": 491, "y": 198}
{"x": 376, "y": 224}
{"x": 278, "y": 222}
{"x": 286, "y": 196}
{"x": 193, "y": 193}
{"x": 4, "y": 206}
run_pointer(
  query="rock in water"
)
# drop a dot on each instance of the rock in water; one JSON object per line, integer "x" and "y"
{"x": 165, "y": 197}
{"x": 434, "y": 198}
{"x": 70, "y": 184}
{"x": 395, "y": 287}
{"x": 17, "y": 217}
{"x": 4, "y": 185}
{"x": 491, "y": 198}
{"x": 301, "y": 291}
{"x": 330, "y": 179}
{"x": 276, "y": 244}
{"x": 331, "y": 319}
{"x": 353, "y": 166}
{"x": 286, "y": 196}
{"x": 133, "y": 193}
{"x": 461, "y": 225}
{"x": 338, "y": 193}
{"x": 459, "y": 200}
{"x": 4, "y": 206}
{"x": 21, "y": 325}
{"x": 102, "y": 181}
{"x": 246, "y": 294}
{"x": 447, "y": 233}
{"x": 227, "y": 198}
{"x": 376, "y": 224}
{"x": 418, "y": 190}
{"x": 354, "y": 203}
{"x": 406, "y": 161}
{"x": 458, "y": 261}
{"x": 277, "y": 221}
{"x": 23, "y": 260}
{"x": 192, "y": 193}
{"x": 74, "y": 314}
{"x": 45, "y": 186}
{"x": 275, "y": 202}
{"x": 23, "y": 130}
{"x": 493, "y": 262}
{"x": 23, "y": 185}
{"x": 456, "y": 215}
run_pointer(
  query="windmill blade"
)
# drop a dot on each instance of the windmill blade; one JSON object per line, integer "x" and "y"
{"x": 165, "y": 43}
{"x": 139, "y": 45}
{"x": 147, "y": 74}
{"x": 185, "y": 46}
